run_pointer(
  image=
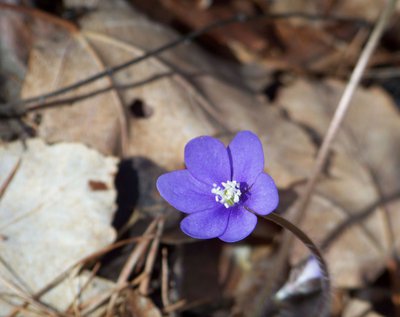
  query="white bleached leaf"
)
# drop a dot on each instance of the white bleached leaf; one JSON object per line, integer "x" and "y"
{"x": 52, "y": 214}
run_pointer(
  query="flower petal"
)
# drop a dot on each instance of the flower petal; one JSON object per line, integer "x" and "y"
{"x": 206, "y": 224}
{"x": 207, "y": 160}
{"x": 263, "y": 195}
{"x": 241, "y": 223}
{"x": 247, "y": 157}
{"x": 184, "y": 192}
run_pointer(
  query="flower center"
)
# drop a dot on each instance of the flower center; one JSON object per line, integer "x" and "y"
{"x": 229, "y": 194}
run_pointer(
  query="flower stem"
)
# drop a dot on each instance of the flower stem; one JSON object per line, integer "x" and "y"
{"x": 324, "y": 307}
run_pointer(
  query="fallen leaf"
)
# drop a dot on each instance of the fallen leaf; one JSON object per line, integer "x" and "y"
{"x": 183, "y": 88}
{"x": 50, "y": 216}
{"x": 362, "y": 170}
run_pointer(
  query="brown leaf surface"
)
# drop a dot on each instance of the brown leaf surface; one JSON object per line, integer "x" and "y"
{"x": 276, "y": 44}
{"x": 57, "y": 59}
{"x": 183, "y": 105}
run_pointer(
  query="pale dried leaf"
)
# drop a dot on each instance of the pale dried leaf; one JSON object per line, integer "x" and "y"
{"x": 357, "y": 307}
{"x": 49, "y": 215}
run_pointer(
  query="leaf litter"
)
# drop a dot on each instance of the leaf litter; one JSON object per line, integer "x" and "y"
{"x": 185, "y": 92}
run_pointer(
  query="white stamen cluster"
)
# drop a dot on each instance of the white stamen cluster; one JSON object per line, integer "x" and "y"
{"x": 229, "y": 194}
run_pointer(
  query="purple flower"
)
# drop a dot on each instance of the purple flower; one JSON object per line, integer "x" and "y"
{"x": 218, "y": 184}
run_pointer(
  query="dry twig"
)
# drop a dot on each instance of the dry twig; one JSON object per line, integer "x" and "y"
{"x": 130, "y": 264}
{"x": 148, "y": 268}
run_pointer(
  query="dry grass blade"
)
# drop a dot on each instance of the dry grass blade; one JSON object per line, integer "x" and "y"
{"x": 64, "y": 274}
{"x": 75, "y": 303}
{"x": 175, "y": 306}
{"x": 93, "y": 303}
{"x": 47, "y": 311}
{"x": 144, "y": 285}
{"x": 8, "y": 180}
{"x": 130, "y": 264}
{"x": 164, "y": 278}
{"x": 14, "y": 274}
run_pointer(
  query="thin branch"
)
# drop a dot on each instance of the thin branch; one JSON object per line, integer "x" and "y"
{"x": 148, "y": 268}
{"x": 28, "y": 298}
{"x": 139, "y": 249}
{"x": 69, "y": 101}
{"x": 355, "y": 219}
{"x": 77, "y": 297}
{"x": 9, "y": 178}
{"x": 64, "y": 274}
{"x": 175, "y": 306}
{"x": 95, "y": 302}
{"x": 164, "y": 278}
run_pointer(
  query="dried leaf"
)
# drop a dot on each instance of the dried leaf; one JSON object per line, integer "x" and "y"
{"x": 184, "y": 95}
{"x": 50, "y": 216}
{"x": 363, "y": 170}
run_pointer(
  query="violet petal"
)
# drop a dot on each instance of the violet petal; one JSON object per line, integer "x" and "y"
{"x": 241, "y": 223}
{"x": 184, "y": 192}
{"x": 206, "y": 224}
{"x": 263, "y": 195}
{"x": 207, "y": 160}
{"x": 247, "y": 157}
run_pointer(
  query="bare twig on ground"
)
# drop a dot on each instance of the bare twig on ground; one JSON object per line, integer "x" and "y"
{"x": 94, "y": 303}
{"x": 148, "y": 268}
{"x": 355, "y": 219}
{"x": 46, "y": 310}
{"x": 164, "y": 278}
{"x": 75, "y": 302}
{"x": 130, "y": 264}
{"x": 64, "y": 274}
{"x": 9, "y": 178}
{"x": 175, "y": 306}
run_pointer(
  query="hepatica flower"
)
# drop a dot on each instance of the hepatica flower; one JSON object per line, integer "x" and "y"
{"x": 218, "y": 184}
